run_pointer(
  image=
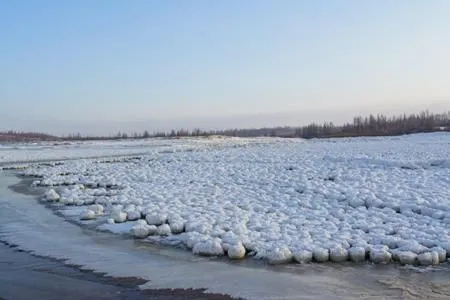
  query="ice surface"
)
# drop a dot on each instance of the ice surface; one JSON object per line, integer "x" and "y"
{"x": 337, "y": 199}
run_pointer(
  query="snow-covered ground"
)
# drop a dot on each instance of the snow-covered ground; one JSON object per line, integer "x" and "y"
{"x": 23, "y": 152}
{"x": 281, "y": 200}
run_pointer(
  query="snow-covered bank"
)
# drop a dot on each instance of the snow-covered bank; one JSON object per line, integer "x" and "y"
{"x": 26, "y": 152}
{"x": 384, "y": 199}
{"x": 35, "y": 228}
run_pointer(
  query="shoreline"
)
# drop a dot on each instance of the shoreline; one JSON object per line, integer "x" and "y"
{"x": 407, "y": 281}
{"x": 90, "y": 283}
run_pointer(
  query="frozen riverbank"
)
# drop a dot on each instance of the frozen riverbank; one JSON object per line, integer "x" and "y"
{"x": 378, "y": 199}
{"x": 36, "y": 229}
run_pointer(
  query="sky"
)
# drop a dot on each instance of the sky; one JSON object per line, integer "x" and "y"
{"x": 97, "y": 67}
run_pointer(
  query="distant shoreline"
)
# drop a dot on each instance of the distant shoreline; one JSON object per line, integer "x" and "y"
{"x": 371, "y": 125}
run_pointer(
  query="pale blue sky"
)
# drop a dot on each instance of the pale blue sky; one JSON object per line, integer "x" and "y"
{"x": 110, "y": 62}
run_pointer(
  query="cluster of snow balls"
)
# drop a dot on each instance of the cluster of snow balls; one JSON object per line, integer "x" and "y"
{"x": 52, "y": 196}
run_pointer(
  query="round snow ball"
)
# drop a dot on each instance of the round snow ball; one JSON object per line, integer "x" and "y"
{"x": 96, "y": 208}
{"x": 407, "y": 257}
{"x": 441, "y": 253}
{"x": 110, "y": 221}
{"x": 177, "y": 227}
{"x": 380, "y": 256}
{"x": 338, "y": 254}
{"x": 236, "y": 251}
{"x": 303, "y": 256}
{"x": 152, "y": 229}
{"x": 163, "y": 230}
{"x": 357, "y": 254}
{"x": 156, "y": 219}
{"x": 279, "y": 255}
{"x": 140, "y": 231}
{"x": 321, "y": 254}
{"x": 208, "y": 248}
{"x": 425, "y": 259}
{"x": 141, "y": 222}
{"x": 133, "y": 215}
{"x": 87, "y": 215}
{"x": 52, "y": 195}
{"x": 119, "y": 216}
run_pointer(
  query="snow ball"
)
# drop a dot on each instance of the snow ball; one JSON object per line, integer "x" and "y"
{"x": 302, "y": 256}
{"x": 163, "y": 230}
{"x": 51, "y": 196}
{"x": 236, "y": 251}
{"x": 177, "y": 227}
{"x": 79, "y": 202}
{"x": 406, "y": 257}
{"x": 380, "y": 256}
{"x": 87, "y": 215}
{"x": 208, "y": 248}
{"x": 338, "y": 254}
{"x": 119, "y": 216}
{"x": 156, "y": 219}
{"x": 110, "y": 221}
{"x": 425, "y": 259}
{"x": 193, "y": 238}
{"x": 140, "y": 231}
{"x": 96, "y": 208}
{"x": 357, "y": 254}
{"x": 321, "y": 254}
{"x": 141, "y": 222}
{"x": 133, "y": 215}
{"x": 279, "y": 255}
{"x": 442, "y": 253}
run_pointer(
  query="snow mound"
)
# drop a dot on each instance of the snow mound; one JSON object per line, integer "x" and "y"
{"x": 380, "y": 256}
{"x": 357, "y": 254}
{"x": 119, "y": 216}
{"x": 208, "y": 248}
{"x": 338, "y": 254}
{"x": 133, "y": 215}
{"x": 302, "y": 256}
{"x": 279, "y": 255}
{"x": 163, "y": 230}
{"x": 406, "y": 257}
{"x": 97, "y": 209}
{"x": 156, "y": 219}
{"x": 321, "y": 254}
{"x": 88, "y": 215}
{"x": 142, "y": 230}
{"x": 51, "y": 195}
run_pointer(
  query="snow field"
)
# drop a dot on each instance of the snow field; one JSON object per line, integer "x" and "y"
{"x": 382, "y": 199}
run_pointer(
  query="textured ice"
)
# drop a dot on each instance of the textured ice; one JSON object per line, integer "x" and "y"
{"x": 339, "y": 199}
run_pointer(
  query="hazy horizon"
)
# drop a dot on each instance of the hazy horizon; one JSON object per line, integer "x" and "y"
{"x": 107, "y": 66}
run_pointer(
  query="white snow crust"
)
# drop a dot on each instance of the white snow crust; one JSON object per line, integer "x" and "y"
{"x": 384, "y": 198}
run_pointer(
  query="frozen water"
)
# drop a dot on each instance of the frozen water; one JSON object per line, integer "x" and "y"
{"x": 339, "y": 199}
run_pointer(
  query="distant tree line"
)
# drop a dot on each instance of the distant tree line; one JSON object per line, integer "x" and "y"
{"x": 20, "y": 136}
{"x": 372, "y": 125}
